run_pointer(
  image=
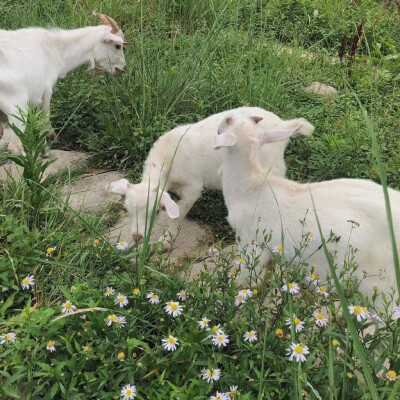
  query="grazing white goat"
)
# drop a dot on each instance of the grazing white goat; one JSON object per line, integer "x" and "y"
{"x": 257, "y": 200}
{"x": 32, "y": 59}
{"x": 182, "y": 161}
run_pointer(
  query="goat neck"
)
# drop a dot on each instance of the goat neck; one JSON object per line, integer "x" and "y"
{"x": 76, "y": 46}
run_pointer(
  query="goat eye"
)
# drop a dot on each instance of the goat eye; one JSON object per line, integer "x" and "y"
{"x": 117, "y": 46}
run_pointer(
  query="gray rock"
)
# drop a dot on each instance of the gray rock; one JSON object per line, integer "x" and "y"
{"x": 320, "y": 88}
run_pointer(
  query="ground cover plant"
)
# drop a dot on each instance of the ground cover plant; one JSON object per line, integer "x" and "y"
{"x": 83, "y": 318}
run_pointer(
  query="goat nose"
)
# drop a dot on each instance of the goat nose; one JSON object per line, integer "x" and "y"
{"x": 136, "y": 237}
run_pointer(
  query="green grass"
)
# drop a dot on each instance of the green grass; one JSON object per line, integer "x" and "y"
{"x": 187, "y": 60}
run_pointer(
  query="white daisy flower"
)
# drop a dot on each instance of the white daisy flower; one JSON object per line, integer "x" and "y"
{"x": 391, "y": 375}
{"x": 182, "y": 295}
{"x": 245, "y": 293}
{"x": 210, "y": 375}
{"x": 253, "y": 245}
{"x": 240, "y": 262}
{"x": 213, "y": 251}
{"x": 111, "y": 318}
{"x": 50, "y": 251}
{"x": 377, "y": 318}
{"x": 27, "y": 282}
{"x": 278, "y": 249}
{"x": 220, "y": 396}
{"x": 220, "y": 339}
{"x": 50, "y": 346}
{"x": 292, "y": 287}
{"x": 322, "y": 290}
{"x": 216, "y": 329}
{"x": 153, "y": 298}
{"x": 360, "y": 312}
{"x": 204, "y": 323}
{"x": 8, "y": 337}
{"x": 122, "y": 245}
{"x": 128, "y": 392}
{"x": 250, "y": 336}
{"x": 174, "y": 308}
{"x": 109, "y": 291}
{"x": 311, "y": 237}
{"x": 233, "y": 391}
{"x": 239, "y": 299}
{"x": 313, "y": 278}
{"x": 320, "y": 320}
{"x": 298, "y": 323}
{"x": 298, "y": 352}
{"x": 396, "y": 312}
{"x": 121, "y": 300}
{"x": 68, "y": 307}
{"x": 120, "y": 322}
{"x": 171, "y": 343}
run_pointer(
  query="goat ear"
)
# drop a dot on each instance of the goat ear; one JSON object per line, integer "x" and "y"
{"x": 225, "y": 140}
{"x": 272, "y": 136}
{"x": 256, "y": 119}
{"x": 119, "y": 187}
{"x": 170, "y": 206}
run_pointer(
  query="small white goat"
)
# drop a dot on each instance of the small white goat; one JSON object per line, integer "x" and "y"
{"x": 258, "y": 200}
{"x": 32, "y": 59}
{"x": 182, "y": 161}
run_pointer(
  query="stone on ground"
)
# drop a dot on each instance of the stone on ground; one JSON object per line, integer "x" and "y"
{"x": 320, "y": 88}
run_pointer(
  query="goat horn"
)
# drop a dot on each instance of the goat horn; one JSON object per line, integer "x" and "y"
{"x": 102, "y": 18}
{"x": 113, "y": 24}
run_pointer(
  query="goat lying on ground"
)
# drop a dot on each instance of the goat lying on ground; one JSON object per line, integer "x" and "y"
{"x": 32, "y": 59}
{"x": 259, "y": 200}
{"x": 192, "y": 168}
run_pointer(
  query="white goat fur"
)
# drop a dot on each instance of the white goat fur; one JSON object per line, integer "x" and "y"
{"x": 258, "y": 200}
{"x": 32, "y": 59}
{"x": 193, "y": 168}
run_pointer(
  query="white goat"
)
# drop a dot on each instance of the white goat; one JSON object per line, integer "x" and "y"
{"x": 192, "y": 168}
{"x": 32, "y": 59}
{"x": 257, "y": 200}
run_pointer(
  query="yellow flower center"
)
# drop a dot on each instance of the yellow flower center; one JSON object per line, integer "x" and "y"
{"x": 335, "y": 342}
{"x": 112, "y": 317}
{"x": 291, "y": 286}
{"x": 154, "y": 296}
{"x": 136, "y": 291}
{"x": 50, "y": 250}
{"x": 50, "y": 344}
{"x": 298, "y": 349}
{"x": 182, "y": 294}
{"x": 174, "y": 307}
{"x": 121, "y": 356}
{"x": 218, "y": 398}
{"x": 215, "y": 328}
{"x": 320, "y": 316}
{"x": 279, "y": 332}
{"x": 220, "y": 338}
{"x": 86, "y": 349}
{"x": 310, "y": 235}
{"x": 121, "y": 243}
{"x": 67, "y": 305}
{"x": 211, "y": 373}
{"x": 241, "y": 260}
{"x": 357, "y": 310}
{"x": 239, "y": 298}
{"x": 96, "y": 242}
{"x": 171, "y": 340}
{"x": 280, "y": 248}
{"x": 128, "y": 392}
{"x": 25, "y": 281}
{"x": 204, "y": 322}
{"x": 297, "y": 321}
{"x": 322, "y": 289}
{"x": 121, "y": 299}
{"x": 250, "y": 334}
{"x": 365, "y": 309}
{"x": 255, "y": 292}
{"x": 391, "y": 374}
{"x": 7, "y": 336}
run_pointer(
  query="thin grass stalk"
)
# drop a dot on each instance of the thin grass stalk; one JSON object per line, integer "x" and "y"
{"x": 262, "y": 384}
{"x": 382, "y": 176}
{"x": 330, "y": 371}
{"x": 346, "y": 314}
{"x": 344, "y": 383}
